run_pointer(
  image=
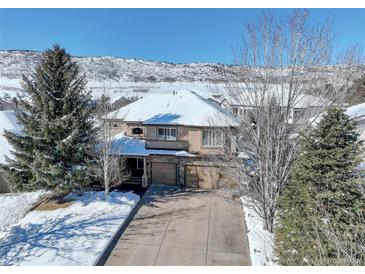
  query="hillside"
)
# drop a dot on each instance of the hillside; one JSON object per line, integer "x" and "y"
{"x": 130, "y": 77}
{"x": 127, "y": 77}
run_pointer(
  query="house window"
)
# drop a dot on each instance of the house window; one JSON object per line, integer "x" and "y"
{"x": 212, "y": 138}
{"x": 246, "y": 111}
{"x": 236, "y": 110}
{"x": 242, "y": 112}
{"x": 166, "y": 134}
{"x": 137, "y": 130}
{"x": 115, "y": 124}
{"x": 298, "y": 113}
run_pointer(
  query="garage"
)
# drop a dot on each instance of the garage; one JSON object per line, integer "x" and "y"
{"x": 164, "y": 173}
{"x": 201, "y": 177}
{"x": 209, "y": 177}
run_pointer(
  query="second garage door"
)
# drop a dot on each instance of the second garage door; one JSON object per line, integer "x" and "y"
{"x": 164, "y": 173}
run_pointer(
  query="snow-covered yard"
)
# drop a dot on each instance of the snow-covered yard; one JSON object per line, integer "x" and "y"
{"x": 261, "y": 241}
{"x": 73, "y": 235}
{"x": 14, "y": 206}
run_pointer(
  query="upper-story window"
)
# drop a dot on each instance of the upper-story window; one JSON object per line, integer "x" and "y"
{"x": 212, "y": 138}
{"x": 137, "y": 130}
{"x": 298, "y": 113}
{"x": 167, "y": 134}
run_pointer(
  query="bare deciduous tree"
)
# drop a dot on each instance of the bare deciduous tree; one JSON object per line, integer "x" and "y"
{"x": 283, "y": 90}
{"x": 111, "y": 168}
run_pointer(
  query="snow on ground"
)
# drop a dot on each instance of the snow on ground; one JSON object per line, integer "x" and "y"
{"x": 261, "y": 241}
{"x": 74, "y": 235}
{"x": 117, "y": 89}
{"x": 14, "y": 206}
{"x": 9, "y": 122}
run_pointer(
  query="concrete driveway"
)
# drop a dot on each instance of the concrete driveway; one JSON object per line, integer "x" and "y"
{"x": 181, "y": 227}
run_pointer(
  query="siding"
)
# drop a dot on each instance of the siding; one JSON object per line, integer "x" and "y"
{"x": 190, "y": 135}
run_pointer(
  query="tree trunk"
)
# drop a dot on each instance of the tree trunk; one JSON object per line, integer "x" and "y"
{"x": 106, "y": 181}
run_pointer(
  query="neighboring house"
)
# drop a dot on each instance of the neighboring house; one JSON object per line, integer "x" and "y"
{"x": 173, "y": 139}
{"x": 357, "y": 112}
{"x": 240, "y": 105}
{"x": 8, "y": 121}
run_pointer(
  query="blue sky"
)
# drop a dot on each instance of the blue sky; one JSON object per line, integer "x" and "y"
{"x": 173, "y": 35}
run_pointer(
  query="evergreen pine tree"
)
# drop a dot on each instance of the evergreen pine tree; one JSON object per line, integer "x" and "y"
{"x": 56, "y": 114}
{"x": 323, "y": 199}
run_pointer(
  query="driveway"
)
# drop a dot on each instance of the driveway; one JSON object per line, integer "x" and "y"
{"x": 182, "y": 227}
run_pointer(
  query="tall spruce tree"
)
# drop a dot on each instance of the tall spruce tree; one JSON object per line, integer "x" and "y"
{"x": 56, "y": 114}
{"x": 321, "y": 208}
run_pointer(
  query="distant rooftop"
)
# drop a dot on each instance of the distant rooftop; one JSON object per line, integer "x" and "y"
{"x": 356, "y": 111}
{"x": 253, "y": 94}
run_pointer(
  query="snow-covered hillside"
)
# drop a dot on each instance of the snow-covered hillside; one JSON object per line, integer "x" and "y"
{"x": 121, "y": 77}
{"x": 130, "y": 77}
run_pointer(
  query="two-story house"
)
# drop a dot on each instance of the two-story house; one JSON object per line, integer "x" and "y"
{"x": 174, "y": 139}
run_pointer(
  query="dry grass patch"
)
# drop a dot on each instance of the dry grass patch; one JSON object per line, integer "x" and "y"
{"x": 53, "y": 204}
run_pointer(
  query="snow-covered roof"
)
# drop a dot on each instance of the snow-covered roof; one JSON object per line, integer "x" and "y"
{"x": 128, "y": 146}
{"x": 247, "y": 96}
{"x": 306, "y": 100}
{"x": 356, "y": 111}
{"x": 9, "y": 122}
{"x": 183, "y": 107}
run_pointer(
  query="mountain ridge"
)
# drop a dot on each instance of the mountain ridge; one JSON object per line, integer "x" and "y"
{"x": 121, "y": 57}
{"x": 119, "y": 76}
